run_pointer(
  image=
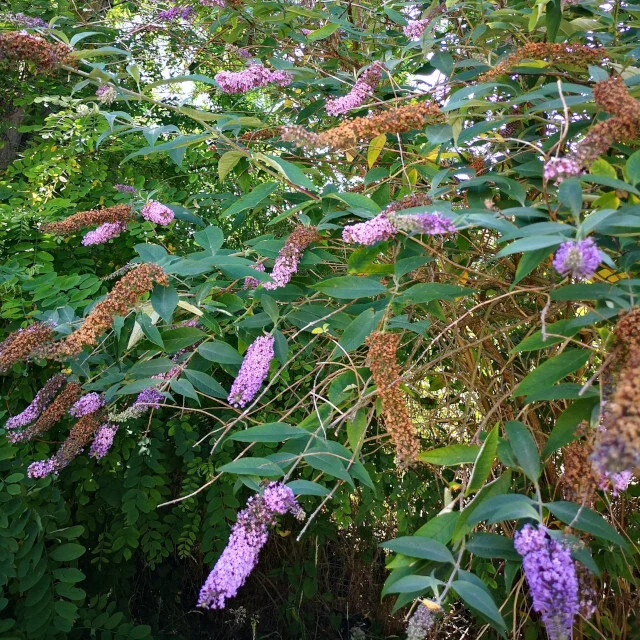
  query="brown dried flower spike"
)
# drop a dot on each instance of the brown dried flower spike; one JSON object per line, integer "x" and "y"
{"x": 578, "y": 55}
{"x": 347, "y": 134}
{"x": 23, "y": 343}
{"x": 116, "y": 214}
{"x": 125, "y": 293}
{"x": 16, "y": 46}
{"x": 386, "y": 375}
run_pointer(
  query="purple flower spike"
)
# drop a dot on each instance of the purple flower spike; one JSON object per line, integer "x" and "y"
{"x": 362, "y": 89}
{"x": 104, "y": 233}
{"x": 431, "y": 224}
{"x": 157, "y": 212}
{"x": 148, "y": 398}
{"x": 253, "y": 371}
{"x": 551, "y": 576}
{"x": 370, "y": 232}
{"x": 88, "y": 403}
{"x": 248, "y": 535}
{"x": 578, "y": 258}
{"x": 38, "y": 405}
{"x": 103, "y": 440}
{"x": 41, "y": 468}
{"x": 415, "y": 28}
{"x": 124, "y": 188}
{"x": 420, "y": 623}
{"x": 252, "y": 77}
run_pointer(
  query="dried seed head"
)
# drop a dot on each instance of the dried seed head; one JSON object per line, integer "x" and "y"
{"x": 23, "y": 343}
{"x": 386, "y": 374}
{"x": 18, "y": 46}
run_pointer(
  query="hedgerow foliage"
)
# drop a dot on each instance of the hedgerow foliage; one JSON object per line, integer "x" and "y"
{"x": 320, "y": 319}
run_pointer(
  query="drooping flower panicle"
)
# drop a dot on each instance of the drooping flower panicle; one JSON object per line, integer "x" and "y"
{"x": 361, "y": 90}
{"x": 422, "y": 621}
{"x": 248, "y": 535}
{"x": 253, "y": 371}
{"x": 286, "y": 264}
{"x": 89, "y": 403}
{"x": 369, "y": 232}
{"x": 551, "y": 577}
{"x": 117, "y": 214}
{"x": 38, "y": 404}
{"x": 104, "y": 233}
{"x": 24, "y": 343}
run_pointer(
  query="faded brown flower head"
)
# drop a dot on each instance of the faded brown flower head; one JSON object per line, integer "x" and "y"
{"x": 628, "y": 328}
{"x": 124, "y": 295}
{"x": 349, "y": 133}
{"x": 23, "y": 343}
{"x": 563, "y": 53}
{"x": 413, "y": 200}
{"x": 386, "y": 374}
{"x": 79, "y": 437}
{"x": 16, "y": 46}
{"x": 119, "y": 213}
{"x": 618, "y": 446}
{"x": 580, "y": 479}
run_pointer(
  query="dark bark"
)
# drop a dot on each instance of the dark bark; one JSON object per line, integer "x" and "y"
{"x": 10, "y": 138}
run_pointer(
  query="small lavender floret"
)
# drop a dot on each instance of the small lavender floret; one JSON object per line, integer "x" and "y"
{"x": 560, "y": 168}
{"x": 249, "y": 281}
{"x": 420, "y": 623}
{"x": 148, "y": 398}
{"x": 248, "y": 535}
{"x": 87, "y": 404}
{"x": 253, "y": 371}
{"x": 578, "y": 258}
{"x": 429, "y": 223}
{"x": 124, "y": 188}
{"x": 42, "y": 468}
{"x": 551, "y": 576}
{"x": 415, "y": 28}
{"x": 103, "y": 440}
{"x": 254, "y": 76}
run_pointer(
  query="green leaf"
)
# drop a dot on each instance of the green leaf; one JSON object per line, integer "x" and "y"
{"x": 585, "y": 519}
{"x": 150, "y": 330}
{"x": 323, "y": 32}
{"x": 531, "y": 243}
{"x": 358, "y": 329}
{"x": 181, "y": 338}
{"x": 451, "y": 455}
{"x": 323, "y": 460}
{"x": 633, "y": 167}
{"x": 67, "y": 552}
{"x": 270, "y": 306}
{"x": 164, "y": 300}
{"x": 210, "y": 239}
{"x": 227, "y": 162}
{"x": 204, "y": 383}
{"x": 70, "y": 575}
{"x": 219, "y": 352}
{"x": 440, "y": 527}
{"x": 480, "y": 600}
{"x": 484, "y": 463}
{"x": 551, "y": 371}
{"x": 307, "y": 488}
{"x": 511, "y": 506}
{"x": 553, "y": 18}
{"x": 148, "y": 368}
{"x": 270, "y": 432}
{"x": 570, "y": 195}
{"x": 350, "y": 287}
{"x": 184, "y": 388}
{"x": 252, "y": 467}
{"x": 291, "y": 171}
{"x": 565, "y": 427}
{"x": 524, "y": 448}
{"x": 251, "y": 200}
{"x": 413, "y": 584}
{"x": 420, "y": 547}
{"x": 492, "y": 545}
{"x": 356, "y": 428}
{"x": 429, "y": 291}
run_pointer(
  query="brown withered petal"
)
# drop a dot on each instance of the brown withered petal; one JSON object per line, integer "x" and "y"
{"x": 23, "y": 343}
{"x": 16, "y": 46}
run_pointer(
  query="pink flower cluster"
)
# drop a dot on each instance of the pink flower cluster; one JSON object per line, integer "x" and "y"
{"x": 415, "y": 28}
{"x": 87, "y": 404}
{"x": 560, "y": 168}
{"x": 175, "y": 12}
{"x": 252, "y": 77}
{"x": 615, "y": 482}
{"x": 362, "y": 89}
{"x": 370, "y": 232}
{"x": 103, "y": 440}
{"x": 431, "y": 224}
{"x": 213, "y": 3}
{"x": 104, "y": 233}
{"x": 157, "y": 212}
{"x": 248, "y": 535}
{"x": 253, "y": 371}
{"x": 42, "y": 468}
{"x": 38, "y": 404}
